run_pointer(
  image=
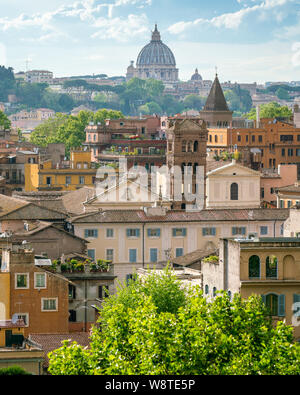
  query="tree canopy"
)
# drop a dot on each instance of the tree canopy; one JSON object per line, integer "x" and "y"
{"x": 271, "y": 110}
{"x": 4, "y": 121}
{"x": 158, "y": 327}
{"x": 238, "y": 100}
{"x": 69, "y": 129}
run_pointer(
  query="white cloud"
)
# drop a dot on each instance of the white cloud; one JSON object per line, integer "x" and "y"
{"x": 230, "y": 20}
{"x": 120, "y": 29}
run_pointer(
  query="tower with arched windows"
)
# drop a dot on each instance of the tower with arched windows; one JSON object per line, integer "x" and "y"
{"x": 186, "y": 152}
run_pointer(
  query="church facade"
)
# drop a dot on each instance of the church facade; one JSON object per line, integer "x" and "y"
{"x": 156, "y": 60}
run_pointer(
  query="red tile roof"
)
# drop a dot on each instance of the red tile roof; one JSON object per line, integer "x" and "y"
{"x": 51, "y": 342}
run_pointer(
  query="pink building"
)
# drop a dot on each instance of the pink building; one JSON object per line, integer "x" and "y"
{"x": 270, "y": 181}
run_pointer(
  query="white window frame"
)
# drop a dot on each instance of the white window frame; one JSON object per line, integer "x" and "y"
{"x": 49, "y": 311}
{"x": 110, "y": 249}
{"x": 35, "y": 280}
{"x": 110, "y": 237}
{"x": 16, "y": 280}
{"x": 20, "y": 316}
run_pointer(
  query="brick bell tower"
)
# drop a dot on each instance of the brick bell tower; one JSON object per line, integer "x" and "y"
{"x": 186, "y": 152}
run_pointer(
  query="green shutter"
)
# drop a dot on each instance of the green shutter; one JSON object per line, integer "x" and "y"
{"x": 281, "y": 307}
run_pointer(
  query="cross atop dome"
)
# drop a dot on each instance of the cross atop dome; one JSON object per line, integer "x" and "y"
{"x": 156, "y": 34}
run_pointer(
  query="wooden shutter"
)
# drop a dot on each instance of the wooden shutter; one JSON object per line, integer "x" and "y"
{"x": 281, "y": 306}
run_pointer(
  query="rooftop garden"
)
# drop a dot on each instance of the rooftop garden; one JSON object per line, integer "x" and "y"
{"x": 76, "y": 266}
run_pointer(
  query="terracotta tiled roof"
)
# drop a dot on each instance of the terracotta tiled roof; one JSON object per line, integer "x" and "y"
{"x": 290, "y": 188}
{"x": 51, "y": 342}
{"x": 9, "y": 204}
{"x": 139, "y": 216}
{"x": 193, "y": 257}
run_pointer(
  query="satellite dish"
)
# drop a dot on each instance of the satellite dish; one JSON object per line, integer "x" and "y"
{"x": 15, "y": 318}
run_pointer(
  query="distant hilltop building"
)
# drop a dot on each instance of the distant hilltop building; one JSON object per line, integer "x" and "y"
{"x": 39, "y": 76}
{"x": 156, "y": 60}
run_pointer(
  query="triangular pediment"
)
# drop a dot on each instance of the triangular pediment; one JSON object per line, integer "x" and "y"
{"x": 234, "y": 168}
{"x": 126, "y": 191}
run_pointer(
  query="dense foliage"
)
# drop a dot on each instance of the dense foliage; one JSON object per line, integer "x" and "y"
{"x": 239, "y": 100}
{"x": 157, "y": 327}
{"x": 14, "y": 371}
{"x": 69, "y": 129}
{"x": 4, "y": 121}
{"x": 271, "y": 110}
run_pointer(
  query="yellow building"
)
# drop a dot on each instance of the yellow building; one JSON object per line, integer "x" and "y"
{"x": 69, "y": 175}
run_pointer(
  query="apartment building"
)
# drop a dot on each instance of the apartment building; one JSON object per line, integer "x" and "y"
{"x": 33, "y": 294}
{"x": 137, "y": 238}
{"x": 268, "y": 267}
{"x": 69, "y": 175}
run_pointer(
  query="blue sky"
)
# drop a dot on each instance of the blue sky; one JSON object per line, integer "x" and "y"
{"x": 248, "y": 40}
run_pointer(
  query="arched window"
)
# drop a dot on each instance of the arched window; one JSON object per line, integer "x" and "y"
{"x": 214, "y": 292}
{"x": 271, "y": 267}
{"x": 254, "y": 267}
{"x": 184, "y": 146}
{"x": 195, "y": 168}
{"x": 206, "y": 289}
{"x": 229, "y": 295}
{"x": 234, "y": 191}
{"x": 190, "y": 146}
{"x": 183, "y": 168}
{"x": 196, "y": 146}
{"x": 216, "y": 138}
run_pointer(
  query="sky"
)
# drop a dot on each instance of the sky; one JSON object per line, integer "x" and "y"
{"x": 247, "y": 40}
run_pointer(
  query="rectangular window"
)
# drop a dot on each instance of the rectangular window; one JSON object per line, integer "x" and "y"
{"x": 72, "y": 291}
{"x": 103, "y": 291}
{"x": 40, "y": 280}
{"x": 132, "y": 255}
{"x": 92, "y": 254}
{"x": 179, "y": 232}
{"x": 209, "y": 231}
{"x": 110, "y": 233}
{"x": 22, "y": 281}
{"x": 110, "y": 255}
{"x": 153, "y": 232}
{"x": 298, "y": 152}
{"x": 253, "y": 139}
{"x": 133, "y": 232}
{"x": 91, "y": 233}
{"x": 68, "y": 180}
{"x": 283, "y": 152}
{"x": 247, "y": 139}
{"x": 260, "y": 139}
{"x": 290, "y": 152}
{"x": 49, "y": 304}
{"x": 81, "y": 180}
{"x": 153, "y": 255}
{"x": 24, "y": 317}
{"x": 48, "y": 180}
{"x": 264, "y": 230}
{"x": 236, "y": 231}
{"x": 179, "y": 252}
{"x": 286, "y": 137}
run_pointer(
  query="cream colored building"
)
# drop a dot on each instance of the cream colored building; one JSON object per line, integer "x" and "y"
{"x": 268, "y": 267}
{"x": 233, "y": 186}
{"x": 136, "y": 238}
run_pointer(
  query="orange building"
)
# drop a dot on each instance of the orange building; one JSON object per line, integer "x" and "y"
{"x": 273, "y": 143}
{"x": 37, "y": 296}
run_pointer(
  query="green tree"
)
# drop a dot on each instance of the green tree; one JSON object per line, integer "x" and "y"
{"x": 271, "y": 110}
{"x": 150, "y": 109}
{"x": 283, "y": 94}
{"x": 14, "y": 371}
{"x": 147, "y": 329}
{"x": 194, "y": 102}
{"x": 238, "y": 100}
{"x": 47, "y": 131}
{"x": 7, "y": 82}
{"x": 4, "y": 121}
